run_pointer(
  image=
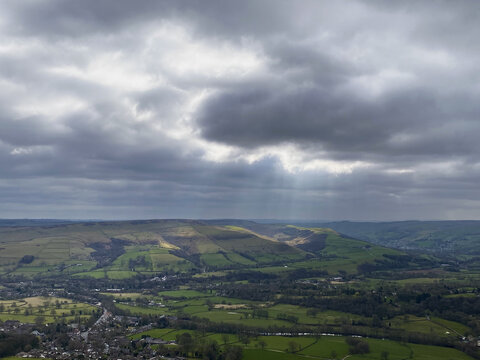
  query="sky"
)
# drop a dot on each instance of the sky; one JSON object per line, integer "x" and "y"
{"x": 316, "y": 110}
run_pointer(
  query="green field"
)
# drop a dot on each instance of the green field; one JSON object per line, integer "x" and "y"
{"x": 45, "y": 309}
{"x": 215, "y": 260}
{"x": 123, "y": 296}
{"x": 438, "y": 326}
{"x": 179, "y": 294}
{"x": 324, "y": 347}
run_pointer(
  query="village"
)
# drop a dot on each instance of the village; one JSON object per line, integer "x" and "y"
{"x": 107, "y": 338}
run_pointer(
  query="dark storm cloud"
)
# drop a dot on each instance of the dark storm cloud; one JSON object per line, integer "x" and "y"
{"x": 116, "y": 109}
{"x": 412, "y": 122}
{"x": 313, "y": 98}
{"x": 59, "y": 18}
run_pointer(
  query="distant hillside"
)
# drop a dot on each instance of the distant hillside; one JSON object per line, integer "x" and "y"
{"x": 34, "y": 222}
{"x": 280, "y": 232}
{"x": 123, "y": 249}
{"x": 448, "y": 237}
{"x": 117, "y": 249}
{"x": 333, "y": 251}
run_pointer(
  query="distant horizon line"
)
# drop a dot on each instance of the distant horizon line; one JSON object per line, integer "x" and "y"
{"x": 261, "y": 220}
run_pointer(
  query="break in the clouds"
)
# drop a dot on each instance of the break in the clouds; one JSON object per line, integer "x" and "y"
{"x": 252, "y": 109}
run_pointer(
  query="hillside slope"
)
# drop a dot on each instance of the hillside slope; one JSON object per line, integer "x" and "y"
{"x": 123, "y": 249}
{"x": 119, "y": 249}
{"x": 332, "y": 251}
{"x": 447, "y": 237}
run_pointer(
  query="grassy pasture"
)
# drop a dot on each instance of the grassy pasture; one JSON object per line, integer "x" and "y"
{"x": 415, "y": 281}
{"x": 438, "y": 326}
{"x": 95, "y": 274}
{"x": 124, "y": 295}
{"x": 239, "y": 311}
{"x": 216, "y": 260}
{"x": 50, "y": 309}
{"x": 140, "y": 310}
{"x": 210, "y": 274}
{"x": 277, "y": 347}
{"x": 49, "y": 253}
{"x": 326, "y": 345}
{"x": 451, "y": 325}
{"x": 328, "y": 317}
{"x": 144, "y": 259}
{"x": 255, "y": 354}
{"x": 183, "y": 294}
{"x": 426, "y": 352}
{"x": 417, "y": 324}
{"x": 461, "y": 295}
{"x": 280, "y": 343}
{"x": 232, "y": 338}
{"x": 120, "y": 274}
{"x": 239, "y": 259}
{"x": 153, "y": 259}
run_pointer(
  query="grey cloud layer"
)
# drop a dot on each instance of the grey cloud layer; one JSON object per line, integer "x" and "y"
{"x": 316, "y": 98}
{"x": 391, "y": 85}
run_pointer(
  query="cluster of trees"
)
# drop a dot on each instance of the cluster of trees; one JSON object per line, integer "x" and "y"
{"x": 260, "y": 313}
{"x": 105, "y": 253}
{"x": 10, "y": 344}
{"x": 138, "y": 261}
{"x": 27, "y": 259}
{"x": 190, "y": 346}
{"x": 287, "y": 317}
{"x": 357, "y": 345}
{"x": 390, "y": 262}
{"x": 250, "y": 275}
{"x": 254, "y": 292}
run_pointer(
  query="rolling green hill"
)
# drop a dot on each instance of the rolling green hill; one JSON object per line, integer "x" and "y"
{"x": 124, "y": 249}
{"x": 443, "y": 237}
{"x": 330, "y": 250}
